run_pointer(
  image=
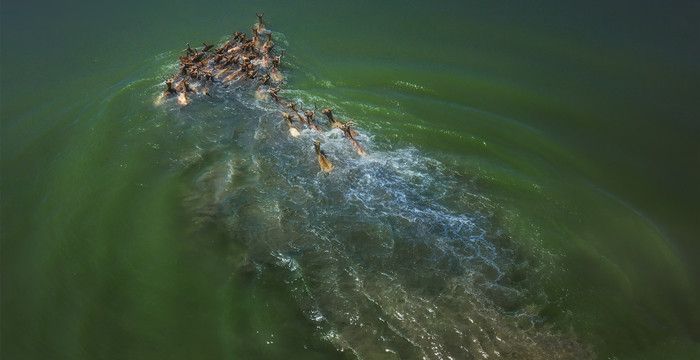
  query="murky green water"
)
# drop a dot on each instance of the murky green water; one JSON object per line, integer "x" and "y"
{"x": 531, "y": 189}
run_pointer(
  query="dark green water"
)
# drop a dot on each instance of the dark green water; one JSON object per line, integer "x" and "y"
{"x": 531, "y": 190}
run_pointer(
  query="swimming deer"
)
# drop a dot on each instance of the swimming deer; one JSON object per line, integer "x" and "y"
{"x": 293, "y": 107}
{"x": 293, "y": 131}
{"x": 359, "y": 149}
{"x": 169, "y": 90}
{"x": 273, "y": 92}
{"x": 310, "y": 120}
{"x": 323, "y": 161}
{"x": 261, "y": 23}
{"x": 335, "y": 123}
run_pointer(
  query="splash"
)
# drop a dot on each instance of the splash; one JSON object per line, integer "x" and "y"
{"x": 390, "y": 254}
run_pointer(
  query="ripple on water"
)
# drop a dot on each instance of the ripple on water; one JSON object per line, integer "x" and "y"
{"x": 381, "y": 254}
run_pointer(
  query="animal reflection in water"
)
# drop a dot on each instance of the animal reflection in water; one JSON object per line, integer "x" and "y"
{"x": 390, "y": 255}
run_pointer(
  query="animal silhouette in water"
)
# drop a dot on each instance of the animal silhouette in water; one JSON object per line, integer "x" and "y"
{"x": 335, "y": 123}
{"x": 309, "y": 114}
{"x": 169, "y": 89}
{"x": 274, "y": 93}
{"x": 253, "y": 60}
{"x": 359, "y": 149}
{"x": 183, "y": 88}
{"x": 323, "y": 161}
{"x": 260, "y": 26}
{"x": 293, "y": 106}
{"x": 292, "y": 129}
{"x": 189, "y": 50}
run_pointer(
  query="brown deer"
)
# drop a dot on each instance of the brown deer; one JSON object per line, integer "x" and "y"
{"x": 323, "y": 161}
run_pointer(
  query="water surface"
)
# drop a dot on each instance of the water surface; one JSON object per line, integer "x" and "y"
{"x": 531, "y": 189}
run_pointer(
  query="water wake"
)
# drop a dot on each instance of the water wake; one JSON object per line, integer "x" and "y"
{"x": 390, "y": 255}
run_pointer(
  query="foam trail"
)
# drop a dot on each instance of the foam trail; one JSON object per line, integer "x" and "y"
{"x": 389, "y": 254}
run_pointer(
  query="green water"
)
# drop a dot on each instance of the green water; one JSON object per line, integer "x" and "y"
{"x": 566, "y": 134}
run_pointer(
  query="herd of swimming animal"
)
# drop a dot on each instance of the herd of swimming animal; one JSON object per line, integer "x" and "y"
{"x": 250, "y": 59}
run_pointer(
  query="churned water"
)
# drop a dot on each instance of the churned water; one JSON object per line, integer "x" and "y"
{"x": 530, "y": 189}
